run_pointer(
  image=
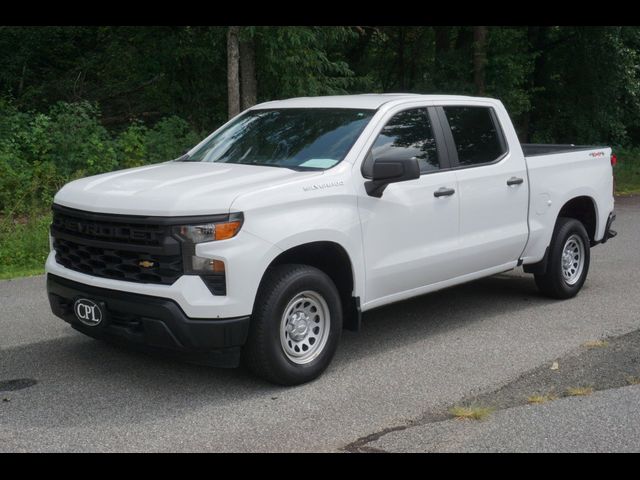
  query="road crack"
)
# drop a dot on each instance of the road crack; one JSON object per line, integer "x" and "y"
{"x": 613, "y": 363}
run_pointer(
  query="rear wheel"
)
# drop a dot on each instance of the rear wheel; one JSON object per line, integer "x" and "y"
{"x": 295, "y": 326}
{"x": 568, "y": 263}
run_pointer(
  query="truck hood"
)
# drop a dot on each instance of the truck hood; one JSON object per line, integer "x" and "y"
{"x": 172, "y": 188}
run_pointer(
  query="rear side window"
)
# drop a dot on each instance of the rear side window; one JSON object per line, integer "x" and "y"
{"x": 407, "y": 135}
{"x": 475, "y": 134}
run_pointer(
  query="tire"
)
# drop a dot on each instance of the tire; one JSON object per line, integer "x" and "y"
{"x": 564, "y": 280}
{"x": 295, "y": 326}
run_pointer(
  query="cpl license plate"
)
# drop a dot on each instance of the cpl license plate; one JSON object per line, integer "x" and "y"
{"x": 88, "y": 312}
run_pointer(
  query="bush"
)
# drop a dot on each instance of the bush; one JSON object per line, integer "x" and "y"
{"x": 131, "y": 146}
{"x": 40, "y": 152}
{"x": 169, "y": 139}
{"x": 27, "y": 187}
{"x": 166, "y": 140}
{"x": 76, "y": 140}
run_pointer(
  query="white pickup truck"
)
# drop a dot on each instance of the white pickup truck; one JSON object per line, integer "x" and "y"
{"x": 278, "y": 230}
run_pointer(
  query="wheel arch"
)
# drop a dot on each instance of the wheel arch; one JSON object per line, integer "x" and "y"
{"x": 333, "y": 259}
{"x": 582, "y": 208}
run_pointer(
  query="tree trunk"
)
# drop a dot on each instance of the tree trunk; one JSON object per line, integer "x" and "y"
{"x": 233, "y": 73}
{"x": 21, "y": 84}
{"x": 248, "y": 79}
{"x": 479, "y": 59}
{"x": 401, "y": 76}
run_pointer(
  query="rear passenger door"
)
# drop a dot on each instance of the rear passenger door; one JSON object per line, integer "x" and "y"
{"x": 492, "y": 184}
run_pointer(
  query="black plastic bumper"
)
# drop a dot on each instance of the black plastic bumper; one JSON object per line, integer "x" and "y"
{"x": 608, "y": 233}
{"x": 151, "y": 323}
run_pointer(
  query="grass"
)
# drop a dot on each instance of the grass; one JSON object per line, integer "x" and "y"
{"x": 633, "y": 380}
{"x": 20, "y": 272}
{"x": 579, "y": 391}
{"x": 471, "y": 412}
{"x": 627, "y": 171}
{"x": 537, "y": 399}
{"x": 24, "y": 245}
{"x": 595, "y": 344}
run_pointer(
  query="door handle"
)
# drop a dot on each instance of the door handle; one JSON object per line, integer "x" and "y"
{"x": 444, "y": 192}
{"x": 515, "y": 181}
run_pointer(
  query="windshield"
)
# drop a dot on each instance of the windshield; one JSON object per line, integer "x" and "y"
{"x": 299, "y": 138}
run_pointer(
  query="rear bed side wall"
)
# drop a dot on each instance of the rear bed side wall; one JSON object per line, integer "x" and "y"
{"x": 557, "y": 179}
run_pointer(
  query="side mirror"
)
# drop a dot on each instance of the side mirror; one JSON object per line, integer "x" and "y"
{"x": 391, "y": 171}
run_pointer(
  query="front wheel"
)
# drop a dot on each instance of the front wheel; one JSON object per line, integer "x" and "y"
{"x": 568, "y": 264}
{"x": 295, "y": 327}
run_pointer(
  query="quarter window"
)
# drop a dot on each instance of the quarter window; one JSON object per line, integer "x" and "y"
{"x": 475, "y": 134}
{"x": 407, "y": 135}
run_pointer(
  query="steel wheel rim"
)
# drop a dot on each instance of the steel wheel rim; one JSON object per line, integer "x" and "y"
{"x": 573, "y": 256}
{"x": 304, "y": 327}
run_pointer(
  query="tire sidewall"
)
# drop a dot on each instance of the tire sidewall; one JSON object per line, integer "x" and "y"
{"x": 565, "y": 229}
{"x": 307, "y": 279}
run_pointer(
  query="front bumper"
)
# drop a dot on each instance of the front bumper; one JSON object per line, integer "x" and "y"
{"x": 151, "y": 323}
{"x": 246, "y": 257}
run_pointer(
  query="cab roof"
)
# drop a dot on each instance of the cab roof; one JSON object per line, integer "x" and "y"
{"x": 371, "y": 101}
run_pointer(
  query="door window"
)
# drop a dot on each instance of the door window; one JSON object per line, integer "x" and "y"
{"x": 475, "y": 134}
{"x": 407, "y": 135}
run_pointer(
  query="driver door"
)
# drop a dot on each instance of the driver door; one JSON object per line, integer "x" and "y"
{"x": 409, "y": 234}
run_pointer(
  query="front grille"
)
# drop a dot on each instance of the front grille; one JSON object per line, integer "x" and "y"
{"x": 110, "y": 231}
{"x": 117, "y": 264}
{"x": 119, "y": 247}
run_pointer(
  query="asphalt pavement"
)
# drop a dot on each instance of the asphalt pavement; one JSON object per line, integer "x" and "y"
{"x": 62, "y": 391}
{"x": 605, "y": 422}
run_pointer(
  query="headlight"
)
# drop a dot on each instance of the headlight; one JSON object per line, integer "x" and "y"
{"x": 211, "y": 270}
{"x": 209, "y": 232}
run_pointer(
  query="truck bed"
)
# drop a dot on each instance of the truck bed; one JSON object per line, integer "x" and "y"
{"x": 558, "y": 173}
{"x": 535, "y": 149}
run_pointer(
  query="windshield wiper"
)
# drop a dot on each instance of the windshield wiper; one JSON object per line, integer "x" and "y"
{"x": 290, "y": 167}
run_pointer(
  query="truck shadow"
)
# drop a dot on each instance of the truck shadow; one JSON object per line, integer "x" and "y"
{"x": 411, "y": 320}
{"x": 75, "y": 371}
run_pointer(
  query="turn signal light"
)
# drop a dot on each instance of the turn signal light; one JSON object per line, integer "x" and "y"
{"x": 227, "y": 230}
{"x": 206, "y": 265}
{"x": 217, "y": 266}
{"x": 208, "y": 232}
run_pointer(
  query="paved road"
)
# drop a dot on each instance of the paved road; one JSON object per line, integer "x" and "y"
{"x": 413, "y": 357}
{"x": 607, "y": 421}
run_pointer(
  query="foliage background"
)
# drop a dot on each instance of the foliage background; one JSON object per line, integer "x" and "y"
{"x": 76, "y": 101}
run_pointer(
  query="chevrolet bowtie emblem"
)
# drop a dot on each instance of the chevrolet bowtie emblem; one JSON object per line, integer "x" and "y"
{"x": 146, "y": 263}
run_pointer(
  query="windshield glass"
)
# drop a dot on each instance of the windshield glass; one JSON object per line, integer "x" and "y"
{"x": 299, "y": 138}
